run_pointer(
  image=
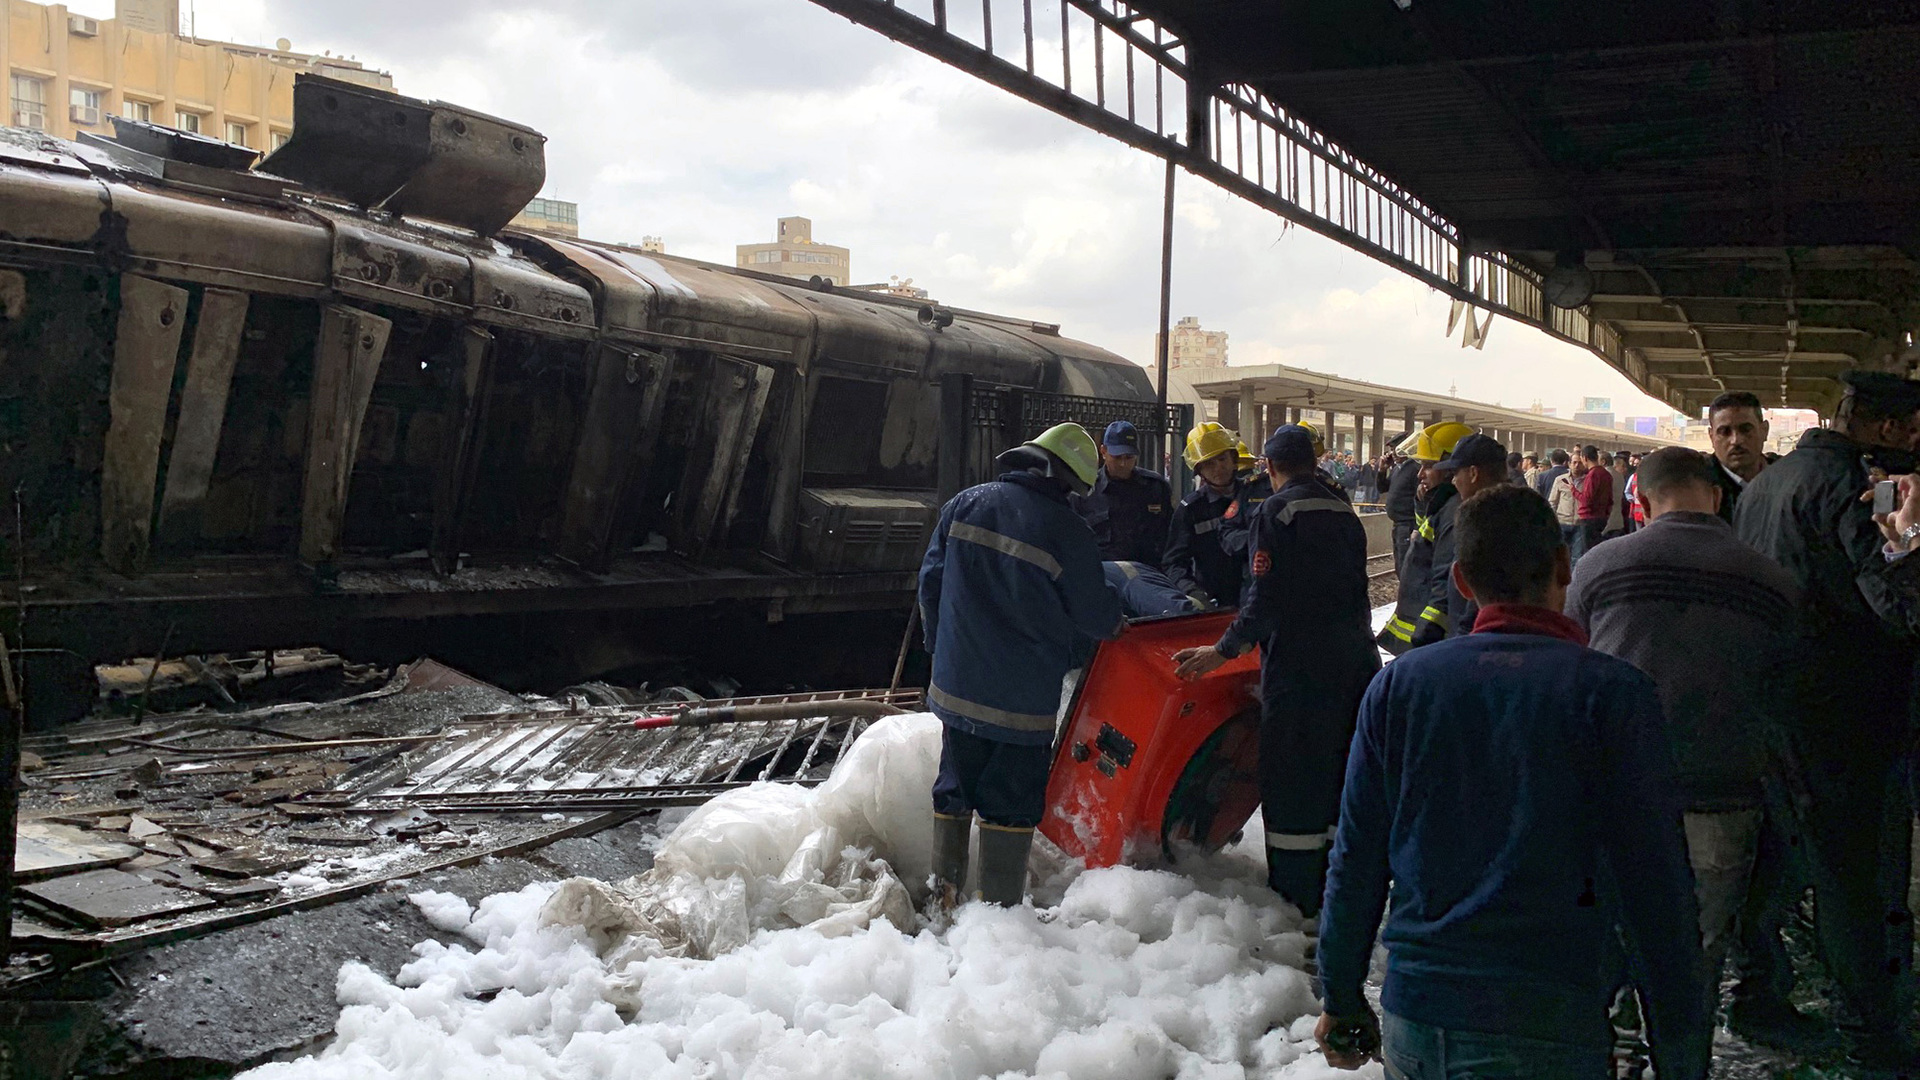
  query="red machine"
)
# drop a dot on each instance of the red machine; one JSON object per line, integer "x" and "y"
{"x": 1149, "y": 759}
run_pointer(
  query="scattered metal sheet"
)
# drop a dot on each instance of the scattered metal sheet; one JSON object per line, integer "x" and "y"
{"x": 42, "y": 850}
{"x": 112, "y": 898}
{"x": 593, "y": 759}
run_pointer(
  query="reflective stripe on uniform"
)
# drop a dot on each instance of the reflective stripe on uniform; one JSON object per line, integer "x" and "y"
{"x": 1401, "y": 629}
{"x": 1303, "y": 506}
{"x": 1423, "y": 528}
{"x": 1206, "y": 526}
{"x": 1131, "y": 570}
{"x": 1435, "y": 616}
{"x": 1287, "y": 841}
{"x": 1006, "y": 545}
{"x": 987, "y": 714}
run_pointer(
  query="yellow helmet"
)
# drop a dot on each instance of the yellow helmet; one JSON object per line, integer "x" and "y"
{"x": 1319, "y": 444}
{"x": 1438, "y": 440}
{"x": 1208, "y": 441}
{"x": 1247, "y": 458}
{"x": 1075, "y": 448}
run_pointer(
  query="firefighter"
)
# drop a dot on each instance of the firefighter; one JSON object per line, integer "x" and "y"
{"x": 1849, "y": 734}
{"x": 1196, "y": 561}
{"x": 1306, "y": 607}
{"x": 1129, "y": 507}
{"x": 1256, "y": 491}
{"x": 1420, "y": 617}
{"x": 1010, "y": 590}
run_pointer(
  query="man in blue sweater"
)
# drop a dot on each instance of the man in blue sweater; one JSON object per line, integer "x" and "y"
{"x": 1515, "y": 788}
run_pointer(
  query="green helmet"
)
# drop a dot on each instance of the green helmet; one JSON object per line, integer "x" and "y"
{"x": 1073, "y": 447}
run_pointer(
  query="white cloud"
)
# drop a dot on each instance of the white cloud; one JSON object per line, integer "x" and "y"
{"x": 703, "y": 120}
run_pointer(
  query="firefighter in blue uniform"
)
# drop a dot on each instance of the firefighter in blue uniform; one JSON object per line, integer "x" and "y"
{"x": 1253, "y": 492}
{"x": 1306, "y": 607}
{"x": 1129, "y": 507}
{"x": 1423, "y": 612}
{"x": 1011, "y": 591}
{"x": 1196, "y": 561}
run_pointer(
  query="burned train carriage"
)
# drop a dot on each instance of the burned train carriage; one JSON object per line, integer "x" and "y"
{"x": 328, "y": 390}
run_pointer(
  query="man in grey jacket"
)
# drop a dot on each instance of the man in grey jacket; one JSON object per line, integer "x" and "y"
{"x": 1708, "y": 618}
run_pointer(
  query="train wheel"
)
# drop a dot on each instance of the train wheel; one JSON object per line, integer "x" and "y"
{"x": 1218, "y": 788}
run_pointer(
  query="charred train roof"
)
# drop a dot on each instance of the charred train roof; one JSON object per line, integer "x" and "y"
{"x": 105, "y": 204}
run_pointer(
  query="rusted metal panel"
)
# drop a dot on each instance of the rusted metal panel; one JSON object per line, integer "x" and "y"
{"x": 183, "y": 236}
{"x": 510, "y": 291}
{"x": 623, "y": 299}
{"x": 345, "y": 363}
{"x": 737, "y": 395}
{"x": 146, "y": 346}
{"x": 49, "y": 208}
{"x": 462, "y": 456}
{"x": 616, "y": 448}
{"x": 385, "y": 265}
{"x": 203, "y": 410}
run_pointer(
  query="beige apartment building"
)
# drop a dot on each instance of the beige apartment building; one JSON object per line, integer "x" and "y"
{"x": 1190, "y": 346}
{"x": 70, "y": 73}
{"x": 794, "y": 254}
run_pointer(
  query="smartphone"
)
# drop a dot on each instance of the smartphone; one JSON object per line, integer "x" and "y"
{"x": 1886, "y": 496}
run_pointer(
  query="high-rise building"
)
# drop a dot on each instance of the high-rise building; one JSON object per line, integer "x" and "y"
{"x": 1597, "y": 411}
{"x": 69, "y": 74}
{"x": 794, "y": 254}
{"x": 1189, "y": 346}
{"x": 556, "y": 216}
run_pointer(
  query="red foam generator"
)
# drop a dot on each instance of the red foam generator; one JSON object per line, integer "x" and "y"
{"x": 1150, "y": 760}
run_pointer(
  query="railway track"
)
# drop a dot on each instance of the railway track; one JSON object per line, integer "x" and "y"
{"x": 1379, "y": 566}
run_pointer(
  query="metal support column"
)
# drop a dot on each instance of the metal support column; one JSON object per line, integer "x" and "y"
{"x": 1249, "y": 414}
{"x": 1379, "y": 445}
{"x": 1166, "y": 287}
{"x": 1413, "y": 423}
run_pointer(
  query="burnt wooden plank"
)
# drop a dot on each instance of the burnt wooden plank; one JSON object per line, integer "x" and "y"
{"x": 108, "y": 898}
{"x": 145, "y": 350}
{"x": 203, "y": 411}
{"x": 346, "y": 359}
{"x": 42, "y": 850}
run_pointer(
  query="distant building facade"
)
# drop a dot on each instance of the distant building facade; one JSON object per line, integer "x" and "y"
{"x": 896, "y": 286}
{"x": 1597, "y": 411}
{"x": 68, "y": 74}
{"x": 555, "y": 216}
{"x": 1189, "y": 346}
{"x": 793, "y": 253}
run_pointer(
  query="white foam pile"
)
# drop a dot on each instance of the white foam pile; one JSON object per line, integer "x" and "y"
{"x": 775, "y": 937}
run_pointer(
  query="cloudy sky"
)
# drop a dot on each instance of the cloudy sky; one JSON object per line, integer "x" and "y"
{"x": 701, "y": 121}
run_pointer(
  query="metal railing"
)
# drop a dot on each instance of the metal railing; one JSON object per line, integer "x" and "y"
{"x": 1107, "y": 66}
{"x": 979, "y": 421}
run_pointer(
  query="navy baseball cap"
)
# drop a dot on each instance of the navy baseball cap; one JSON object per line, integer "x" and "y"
{"x": 1475, "y": 449}
{"x": 1121, "y": 439}
{"x": 1290, "y": 446}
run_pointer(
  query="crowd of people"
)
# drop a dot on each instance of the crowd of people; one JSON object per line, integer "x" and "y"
{"x": 1639, "y": 706}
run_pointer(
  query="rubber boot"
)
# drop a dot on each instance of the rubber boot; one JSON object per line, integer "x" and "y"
{"x": 951, "y": 837}
{"x": 1003, "y": 864}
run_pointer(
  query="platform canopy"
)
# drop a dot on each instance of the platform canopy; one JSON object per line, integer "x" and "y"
{"x": 1259, "y": 398}
{"x": 1710, "y": 194}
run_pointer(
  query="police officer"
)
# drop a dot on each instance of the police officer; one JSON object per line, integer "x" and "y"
{"x": 1196, "y": 561}
{"x": 1129, "y": 507}
{"x": 1403, "y": 498}
{"x": 1848, "y": 702}
{"x": 1306, "y": 607}
{"x": 1010, "y": 589}
{"x": 1420, "y": 616}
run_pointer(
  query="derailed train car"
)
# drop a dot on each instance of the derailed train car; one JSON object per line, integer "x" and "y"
{"x": 248, "y": 404}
